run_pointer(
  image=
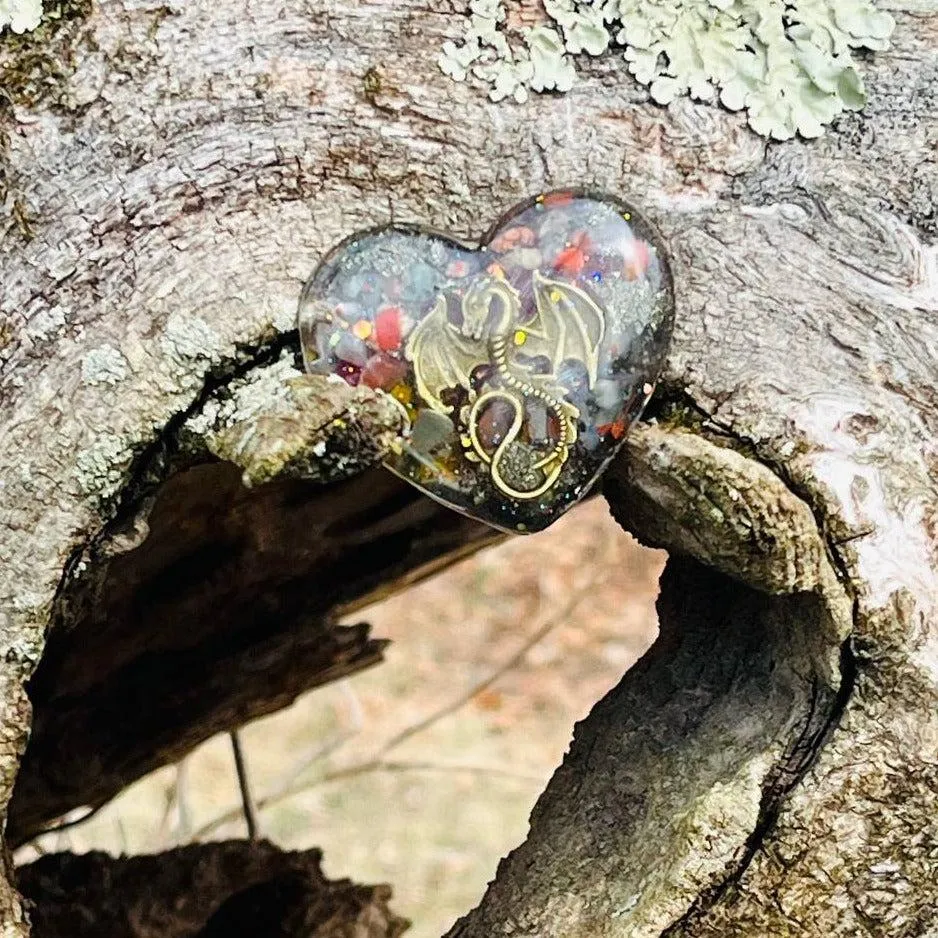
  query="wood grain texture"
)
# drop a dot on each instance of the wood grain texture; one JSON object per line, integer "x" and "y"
{"x": 179, "y": 185}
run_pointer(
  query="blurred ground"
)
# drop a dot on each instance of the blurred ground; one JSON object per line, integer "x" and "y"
{"x": 433, "y": 813}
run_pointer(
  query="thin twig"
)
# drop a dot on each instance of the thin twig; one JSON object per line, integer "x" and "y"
{"x": 417, "y": 765}
{"x": 65, "y": 825}
{"x": 247, "y": 801}
{"x": 162, "y": 829}
{"x": 122, "y": 838}
{"x": 176, "y": 802}
{"x": 508, "y": 665}
{"x": 378, "y": 763}
{"x": 365, "y": 768}
{"x": 183, "y": 809}
{"x": 356, "y": 721}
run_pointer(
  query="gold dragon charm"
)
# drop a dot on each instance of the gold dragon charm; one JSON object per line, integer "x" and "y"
{"x": 568, "y": 326}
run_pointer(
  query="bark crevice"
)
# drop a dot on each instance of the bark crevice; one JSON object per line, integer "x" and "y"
{"x": 153, "y": 464}
{"x": 790, "y": 770}
{"x": 826, "y": 708}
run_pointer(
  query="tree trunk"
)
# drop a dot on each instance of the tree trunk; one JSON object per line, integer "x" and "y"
{"x": 172, "y": 173}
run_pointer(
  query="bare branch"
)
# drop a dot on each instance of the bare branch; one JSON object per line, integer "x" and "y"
{"x": 244, "y": 784}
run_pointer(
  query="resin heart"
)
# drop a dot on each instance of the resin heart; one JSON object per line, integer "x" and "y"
{"x": 520, "y": 365}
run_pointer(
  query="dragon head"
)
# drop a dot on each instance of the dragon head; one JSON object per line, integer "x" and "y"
{"x": 489, "y": 307}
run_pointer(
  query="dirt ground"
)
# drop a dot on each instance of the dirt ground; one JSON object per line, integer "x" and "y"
{"x": 378, "y": 772}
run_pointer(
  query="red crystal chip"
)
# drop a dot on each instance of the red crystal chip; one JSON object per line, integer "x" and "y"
{"x": 388, "y": 328}
{"x": 384, "y": 371}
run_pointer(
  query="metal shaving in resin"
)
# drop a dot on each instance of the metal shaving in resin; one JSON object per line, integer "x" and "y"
{"x": 519, "y": 366}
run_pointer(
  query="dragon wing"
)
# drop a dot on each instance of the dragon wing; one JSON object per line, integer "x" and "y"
{"x": 442, "y": 356}
{"x": 568, "y": 325}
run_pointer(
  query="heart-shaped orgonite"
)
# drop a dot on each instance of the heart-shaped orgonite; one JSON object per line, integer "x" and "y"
{"x": 520, "y": 365}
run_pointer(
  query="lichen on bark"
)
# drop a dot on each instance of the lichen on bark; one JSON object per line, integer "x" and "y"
{"x": 36, "y": 53}
{"x": 282, "y": 424}
{"x": 789, "y": 65}
{"x": 20, "y": 16}
{"x": 37, "y": 56}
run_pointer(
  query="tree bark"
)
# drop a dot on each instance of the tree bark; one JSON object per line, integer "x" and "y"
{"x": 231, "y": 889}
{"x": 771, "y": 766}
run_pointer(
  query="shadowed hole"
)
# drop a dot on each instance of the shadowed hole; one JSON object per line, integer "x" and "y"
{"x": 401, "y": 773}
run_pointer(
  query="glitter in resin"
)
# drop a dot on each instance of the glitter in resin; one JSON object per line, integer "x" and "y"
{"x": 520, "y": 365}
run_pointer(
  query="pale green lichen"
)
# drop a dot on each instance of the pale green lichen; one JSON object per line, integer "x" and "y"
{"x": 278, "y": 423}
{"x": 788, "y": 64}
{"x": 104, "y": 365}
{"x": 101, "y": 468}
{"x": 190, "y": 338}
{"x": 262, "y": 392}
{"x": 20, "y": 16}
